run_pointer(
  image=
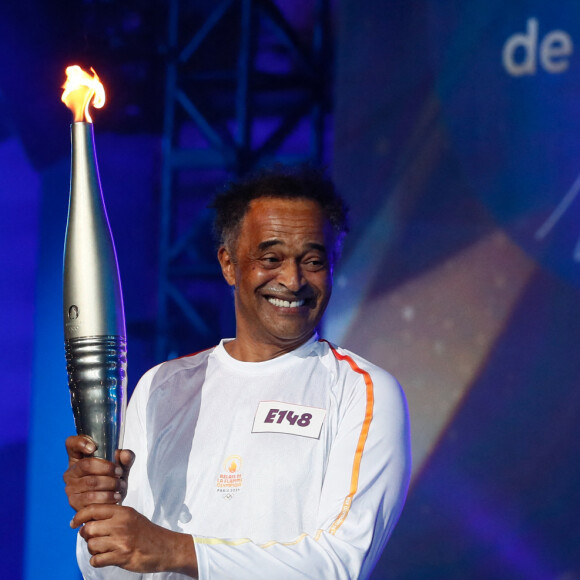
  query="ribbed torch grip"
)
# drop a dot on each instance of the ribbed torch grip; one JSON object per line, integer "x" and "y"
{"x": 97, "y": 377}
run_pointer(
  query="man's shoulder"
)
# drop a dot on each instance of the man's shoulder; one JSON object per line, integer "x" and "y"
{"x": 164, "y": 371}
{"x": 355, "y": 362}
{"x": 365, "y": 376}
{"x": 364, "y": 383}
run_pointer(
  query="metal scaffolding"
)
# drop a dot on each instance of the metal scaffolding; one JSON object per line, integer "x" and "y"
{"x": 247, "y": 84}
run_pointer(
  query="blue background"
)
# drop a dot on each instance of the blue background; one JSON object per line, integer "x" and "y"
{"x": 451, "y": 165}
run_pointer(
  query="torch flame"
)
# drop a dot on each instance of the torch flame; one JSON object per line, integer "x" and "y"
{"x": 80, "y": 89}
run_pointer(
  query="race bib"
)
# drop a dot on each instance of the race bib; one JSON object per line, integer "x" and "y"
{"x": 279, "y": 417}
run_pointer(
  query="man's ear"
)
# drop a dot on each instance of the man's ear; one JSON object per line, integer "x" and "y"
{"x": 228, "y": 267}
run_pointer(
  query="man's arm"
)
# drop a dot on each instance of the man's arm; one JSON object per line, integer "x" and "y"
{"x": 121, "y": 536}
{"x": 118, "y": 535}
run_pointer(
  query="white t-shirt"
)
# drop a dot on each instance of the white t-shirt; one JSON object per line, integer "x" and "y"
{"x": 296, "y": 467}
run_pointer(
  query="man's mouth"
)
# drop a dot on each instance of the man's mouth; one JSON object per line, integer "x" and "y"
{"x": 285, "y": 303}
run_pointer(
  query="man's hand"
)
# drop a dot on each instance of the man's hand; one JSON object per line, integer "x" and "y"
{"x": 120, "y": 536}
{"x": 91, "y": 480}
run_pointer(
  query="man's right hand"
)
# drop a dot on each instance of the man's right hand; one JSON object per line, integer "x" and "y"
{"x": 91, "y": 480}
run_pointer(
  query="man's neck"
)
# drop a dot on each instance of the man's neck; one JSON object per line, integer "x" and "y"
{"x": 252, "y": 351}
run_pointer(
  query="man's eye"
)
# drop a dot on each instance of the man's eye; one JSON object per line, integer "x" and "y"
{"x": 270, "y": 260}
{"x": 314, "y": 263}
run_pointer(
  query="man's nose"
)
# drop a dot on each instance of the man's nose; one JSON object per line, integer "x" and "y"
{"x": 290, "y": 276}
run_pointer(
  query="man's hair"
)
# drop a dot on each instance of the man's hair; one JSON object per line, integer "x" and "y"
{"x": 279, "y": 181}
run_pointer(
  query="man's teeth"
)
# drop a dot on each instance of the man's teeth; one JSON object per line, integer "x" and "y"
{"x": 285, "y": 303}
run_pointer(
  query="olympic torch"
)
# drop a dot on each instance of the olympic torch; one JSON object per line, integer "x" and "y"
{"x": 94, "y": 320}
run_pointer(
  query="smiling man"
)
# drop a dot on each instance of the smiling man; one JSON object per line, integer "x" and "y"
{"x": 280, "y": 267}
{"x": 272, "y": 455}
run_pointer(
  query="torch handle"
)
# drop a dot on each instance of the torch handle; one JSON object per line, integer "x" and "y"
{"x": 97, "y": 376}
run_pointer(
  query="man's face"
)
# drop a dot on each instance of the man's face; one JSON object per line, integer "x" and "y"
{"x": 282, "y": 273}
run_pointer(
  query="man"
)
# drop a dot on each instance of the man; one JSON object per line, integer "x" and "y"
{"x": 274, "y": 455}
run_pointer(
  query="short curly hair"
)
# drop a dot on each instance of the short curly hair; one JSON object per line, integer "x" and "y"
{"x": 279, "y": 181}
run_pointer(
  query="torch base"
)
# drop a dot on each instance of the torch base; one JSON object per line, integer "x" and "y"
{"x": 97, "y": 376}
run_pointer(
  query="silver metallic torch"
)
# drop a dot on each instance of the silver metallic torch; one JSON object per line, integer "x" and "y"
{"x": 94, "y": 320}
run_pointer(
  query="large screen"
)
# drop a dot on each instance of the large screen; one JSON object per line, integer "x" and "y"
{"x": 457, "y": 146}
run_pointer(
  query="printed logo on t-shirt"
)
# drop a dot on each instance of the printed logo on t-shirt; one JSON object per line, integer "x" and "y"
{"x": 279, "y": 417}
{"x": 229, "y": 482}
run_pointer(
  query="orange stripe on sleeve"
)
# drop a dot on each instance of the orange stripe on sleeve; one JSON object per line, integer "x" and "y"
{"x": 361, "y": 440}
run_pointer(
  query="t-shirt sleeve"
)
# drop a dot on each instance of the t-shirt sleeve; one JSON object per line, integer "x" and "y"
{"x": 364, "y": 490}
